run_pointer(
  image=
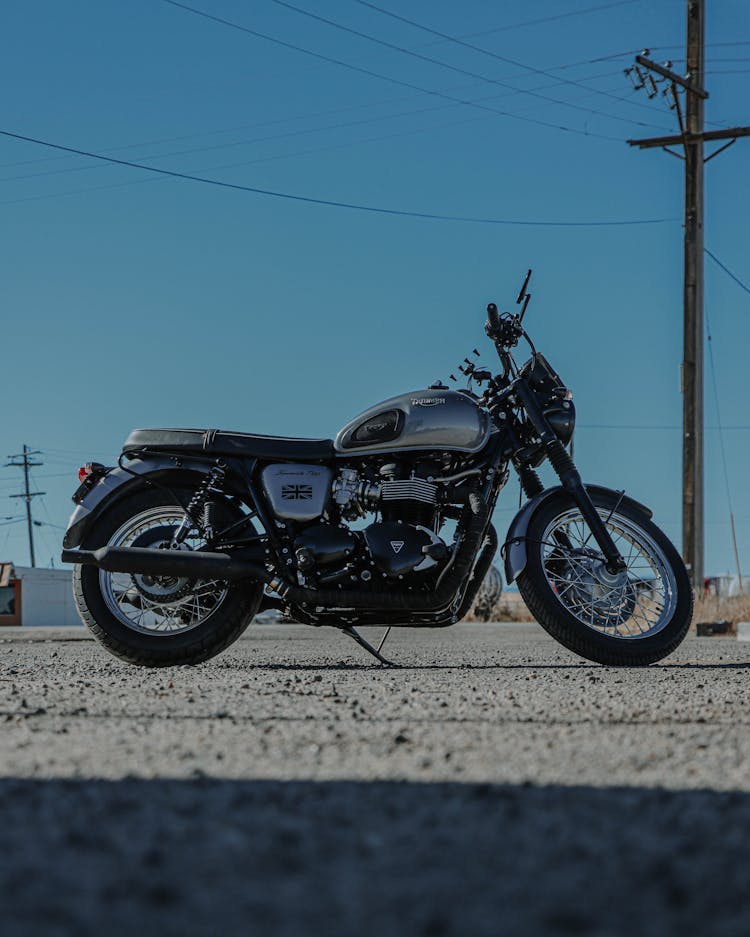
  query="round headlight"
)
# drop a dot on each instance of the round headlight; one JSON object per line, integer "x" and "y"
{"x": 562, "y": 418}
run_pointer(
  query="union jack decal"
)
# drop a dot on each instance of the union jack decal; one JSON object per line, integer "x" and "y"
{"x": 296, "y": 492}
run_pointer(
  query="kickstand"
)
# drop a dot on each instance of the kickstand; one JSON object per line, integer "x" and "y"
{"x": 355, "y": 635}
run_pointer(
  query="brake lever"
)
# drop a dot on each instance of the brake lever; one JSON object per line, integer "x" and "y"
{"x": 507, "y": 332}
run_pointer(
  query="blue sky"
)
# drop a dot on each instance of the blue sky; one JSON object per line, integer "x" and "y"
{"x": 136, "y": 300}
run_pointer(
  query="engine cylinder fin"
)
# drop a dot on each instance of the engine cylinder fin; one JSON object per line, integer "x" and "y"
{"x": 411, "y": 489}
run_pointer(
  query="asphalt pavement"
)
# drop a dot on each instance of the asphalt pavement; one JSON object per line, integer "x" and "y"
{"x": 493, "y": 784}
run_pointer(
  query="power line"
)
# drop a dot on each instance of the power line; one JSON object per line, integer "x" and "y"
{"x": 718, "y": 410}
{"x": 463, "y": 71}
{"x": 63, "y": 452}
{"x": 549, "y": 19}
{"x": 262, "y": 159}
{"x": 708, "y": 45}
{"x": 329, "y": 112}
{"x": 252, "y": 162}
{"x": 600, "y": 58}
{"x": 727, "y": 271}
{"x": 379, "y": 75}
{"x": 460, "y": 41}
{"x": 433, "y": 216}
{"x": 281, "y": 136}
{"x": 222, "y": 146}
{"x": 654, "y": 426}
{"x": 722, "y": 449}
{"x": 210, "y": 133}
{"x": 619, "y": 55}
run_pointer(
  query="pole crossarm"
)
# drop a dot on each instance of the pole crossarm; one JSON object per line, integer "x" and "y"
{"x": 731, "y": 133}
{"x": 672, "y": 76}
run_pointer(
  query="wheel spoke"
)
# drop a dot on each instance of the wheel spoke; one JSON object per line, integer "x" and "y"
{"x": 638, "y": 602}
{"x": 126, "y": 599}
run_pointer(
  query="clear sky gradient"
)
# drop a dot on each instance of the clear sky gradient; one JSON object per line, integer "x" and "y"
{"x": 134, "y": 299}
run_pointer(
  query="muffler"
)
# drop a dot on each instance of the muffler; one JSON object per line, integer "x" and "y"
{"x": 176, "y": 563}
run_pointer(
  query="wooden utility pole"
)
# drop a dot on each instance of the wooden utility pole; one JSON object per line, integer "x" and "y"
{"x": 27, "y": 495}
{"x": 691, "y": 137}
{"x": 692, "y": 365}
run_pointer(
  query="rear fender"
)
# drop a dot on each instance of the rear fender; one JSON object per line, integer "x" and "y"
{"x": 118, "y": 483}
{"x": 514, "y": 547}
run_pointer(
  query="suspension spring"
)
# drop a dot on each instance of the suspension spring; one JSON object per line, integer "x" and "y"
{"x": 199, "y": 510}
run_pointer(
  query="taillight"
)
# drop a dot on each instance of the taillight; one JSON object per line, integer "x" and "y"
{"x": 84, "y": 471}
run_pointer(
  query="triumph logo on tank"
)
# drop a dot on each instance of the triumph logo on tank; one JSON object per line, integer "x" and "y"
{"x": 426, "y": 401}
{"x": 396, "y": 545}
{"x": 296, "y": 492}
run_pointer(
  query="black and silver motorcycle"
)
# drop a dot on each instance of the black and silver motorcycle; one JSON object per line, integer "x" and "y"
{"x": 196, "y": 531}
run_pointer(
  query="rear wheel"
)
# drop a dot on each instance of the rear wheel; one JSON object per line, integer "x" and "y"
{"x": 159, "y": 621}
{"x": 631, "y": 618}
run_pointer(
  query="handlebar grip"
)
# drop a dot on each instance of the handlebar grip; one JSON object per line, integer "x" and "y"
{"x": 493, "y": 318}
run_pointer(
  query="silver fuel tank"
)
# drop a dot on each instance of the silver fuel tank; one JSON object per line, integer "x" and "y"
{"x": 422, "y": 419}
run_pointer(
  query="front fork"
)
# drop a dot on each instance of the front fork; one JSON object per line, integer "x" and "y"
{"x": 570, "y": 480}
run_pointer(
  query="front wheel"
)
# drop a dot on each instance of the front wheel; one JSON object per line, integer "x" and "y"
{"x": 632, "y": 618}
{"x": 159, "y": 621}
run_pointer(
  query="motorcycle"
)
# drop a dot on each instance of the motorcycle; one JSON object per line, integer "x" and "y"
{"x": 194, "y": 532}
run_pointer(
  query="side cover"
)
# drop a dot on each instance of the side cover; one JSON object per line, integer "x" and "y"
{"x": 297, "y": 492}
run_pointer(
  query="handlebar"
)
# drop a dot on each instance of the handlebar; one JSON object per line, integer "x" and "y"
{"x": 504, "y": 330}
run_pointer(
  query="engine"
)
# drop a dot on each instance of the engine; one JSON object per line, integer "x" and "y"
{"x": 401, "y": 543}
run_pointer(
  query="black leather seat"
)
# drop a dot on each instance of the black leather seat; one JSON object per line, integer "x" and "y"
{"x": 219, "y": 442}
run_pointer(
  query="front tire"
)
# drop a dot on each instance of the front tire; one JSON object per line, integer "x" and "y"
{"x": 158, "y": 622}
{"x": 632, "y": 619}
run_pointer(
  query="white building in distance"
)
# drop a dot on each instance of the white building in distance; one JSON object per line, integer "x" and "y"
{"x": 34, "y": 596}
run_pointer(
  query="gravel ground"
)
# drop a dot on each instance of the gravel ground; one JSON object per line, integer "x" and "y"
{"x": 494, "y": 784}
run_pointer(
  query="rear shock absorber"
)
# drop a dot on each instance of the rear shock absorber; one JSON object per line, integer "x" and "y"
{"x": 200, "y": 511}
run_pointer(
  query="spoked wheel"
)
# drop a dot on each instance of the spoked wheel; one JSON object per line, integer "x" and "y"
{"x": 159, "y": 621}
{"x": 152, "y": 604}
{"x": 634, "y": 617}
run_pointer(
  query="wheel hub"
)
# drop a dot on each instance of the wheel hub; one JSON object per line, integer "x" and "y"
{"x": 609, "y": 595}
{"x": 162, "y": 590}
{"x": 633, "y": 603}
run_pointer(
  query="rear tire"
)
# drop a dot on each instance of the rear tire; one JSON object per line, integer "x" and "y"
{"x": 598, "y": 640}
{"x": 195, "y": 643}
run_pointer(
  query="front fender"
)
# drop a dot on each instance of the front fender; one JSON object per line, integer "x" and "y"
{"x": 514, "y": 547}
{"x": 113, "y": 486}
